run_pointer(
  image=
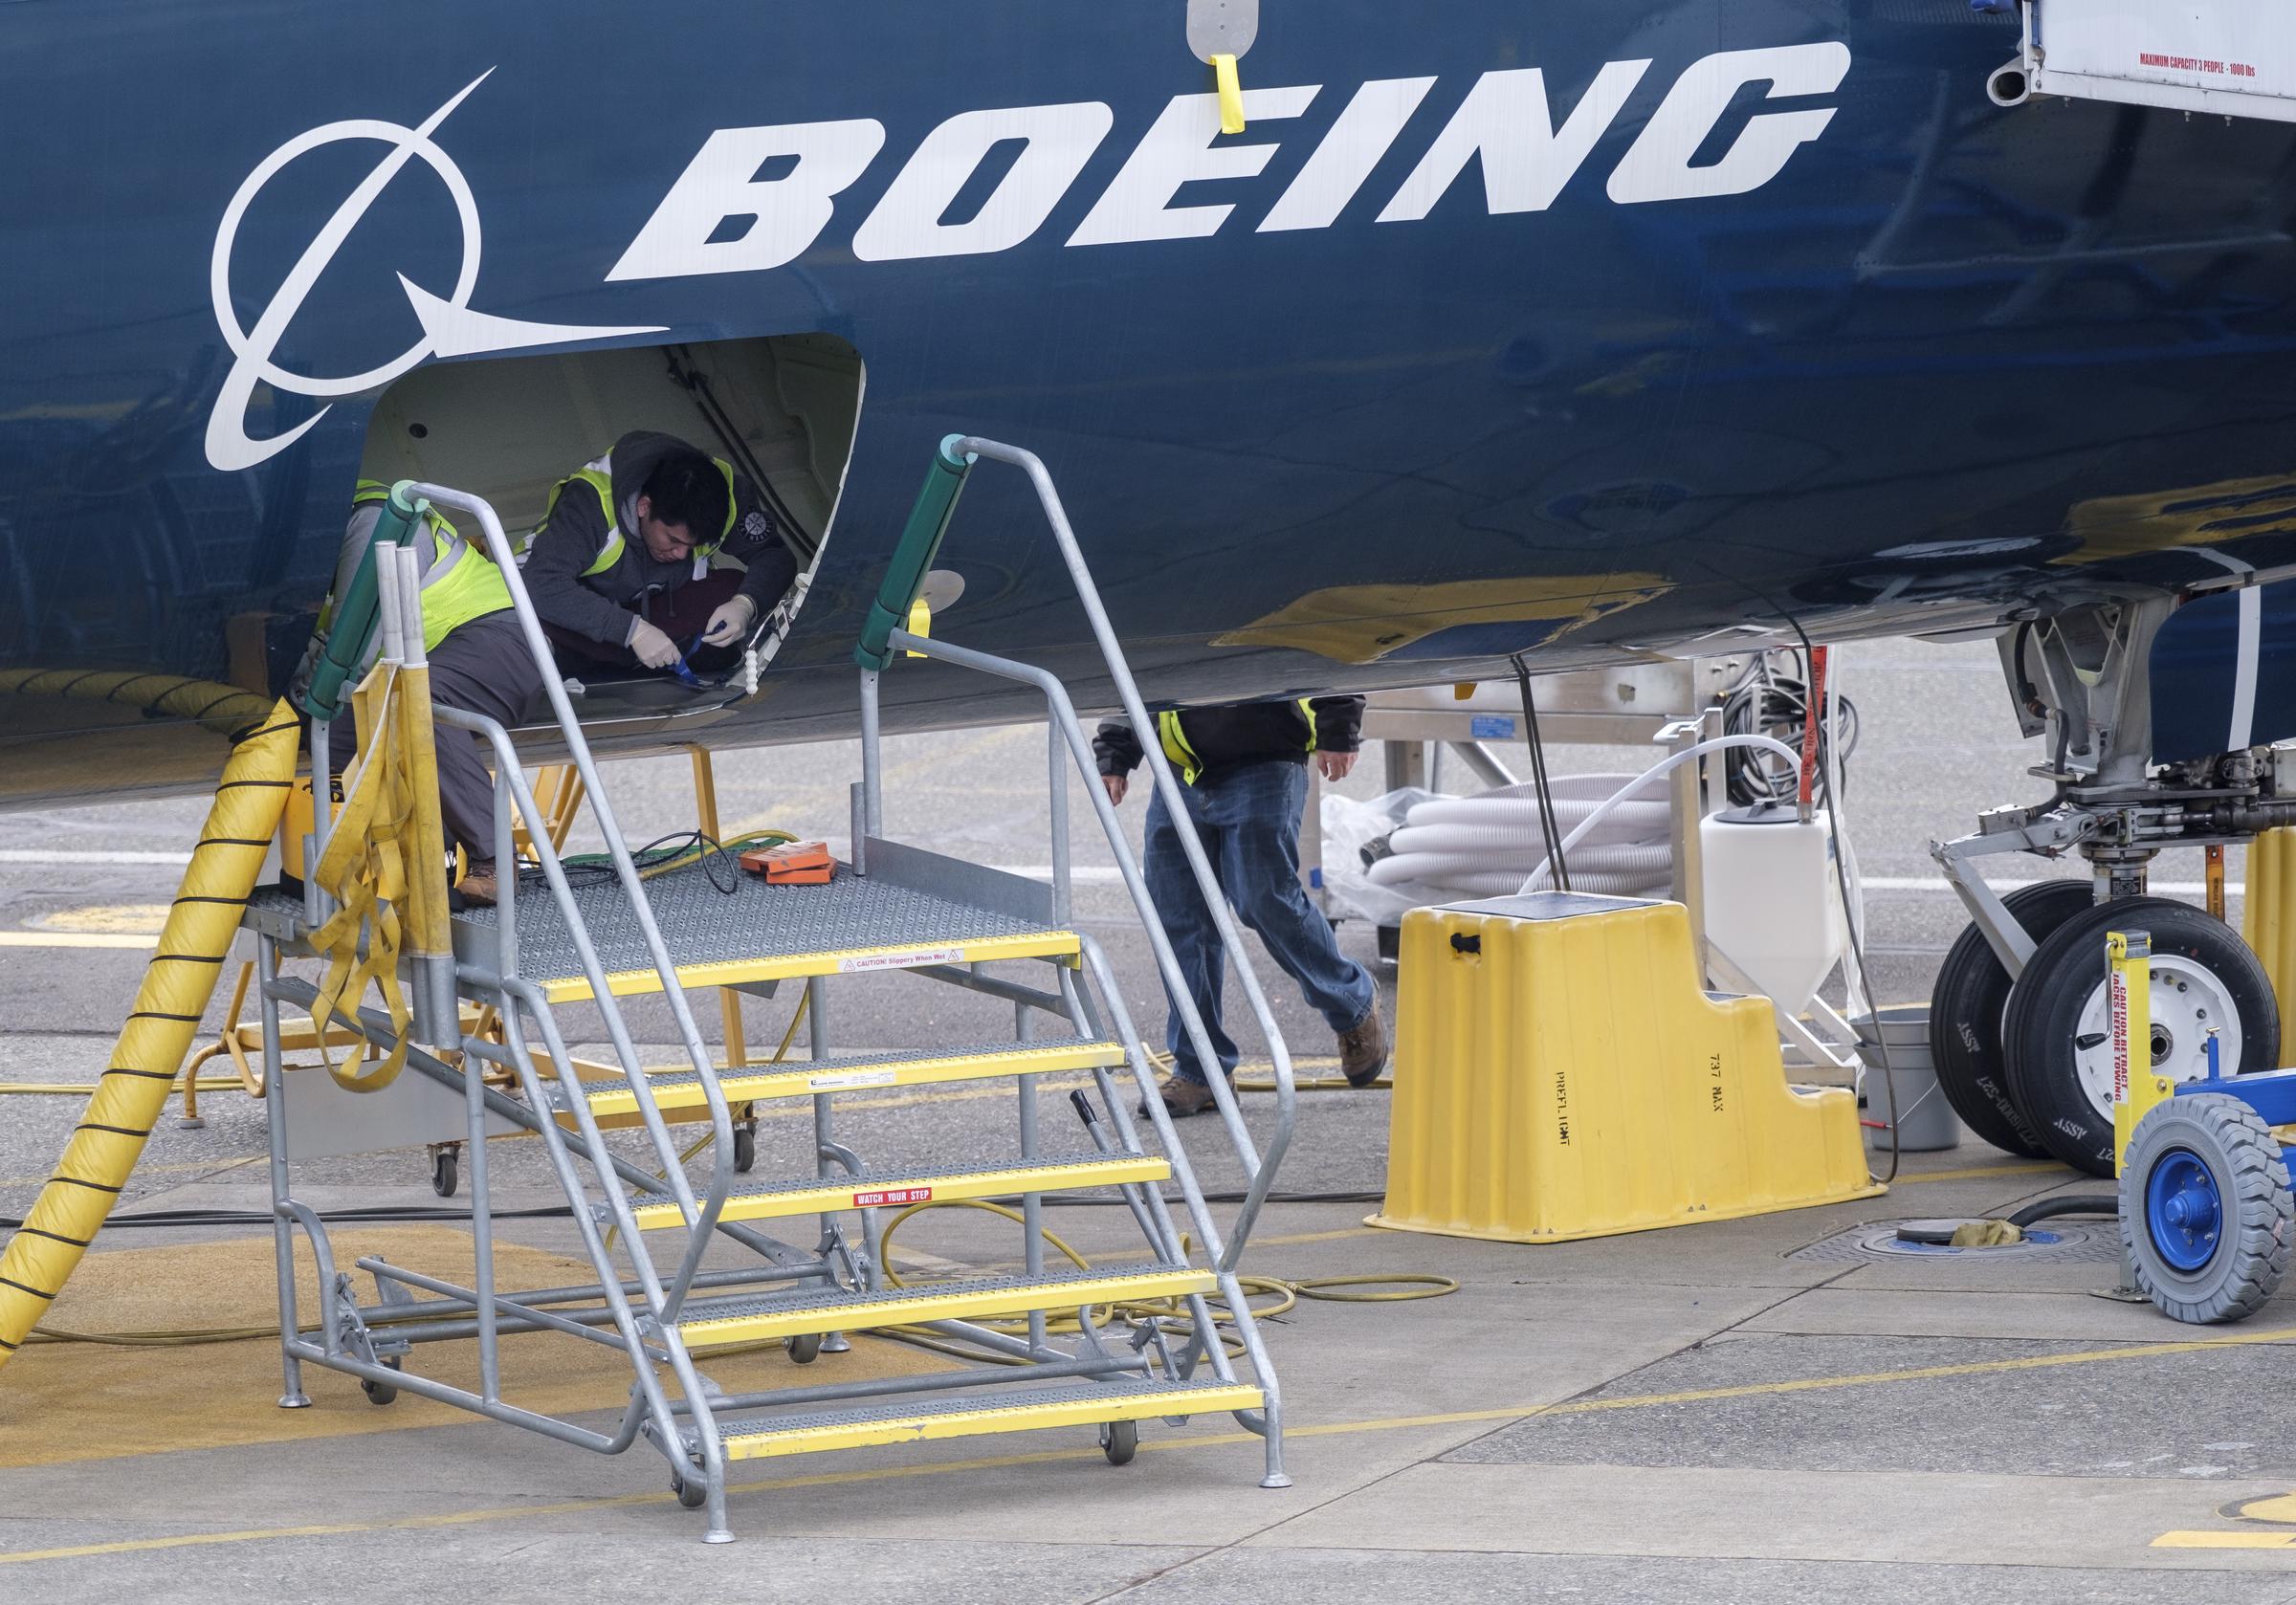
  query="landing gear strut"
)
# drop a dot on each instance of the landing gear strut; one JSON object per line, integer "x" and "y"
{"x": 2017, "y": 1016}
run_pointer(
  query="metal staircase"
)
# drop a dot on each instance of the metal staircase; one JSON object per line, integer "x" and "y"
{"x": 1145, "y": 1343}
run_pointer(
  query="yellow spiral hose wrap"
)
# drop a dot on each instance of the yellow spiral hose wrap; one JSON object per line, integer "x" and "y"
{"x": 225, "y": 710}
{"x": 181, "y": 975}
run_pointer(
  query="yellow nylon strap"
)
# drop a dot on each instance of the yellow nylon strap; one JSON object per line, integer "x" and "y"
{"x": 365, "y": 870}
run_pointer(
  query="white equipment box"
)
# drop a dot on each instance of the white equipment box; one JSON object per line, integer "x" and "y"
{"x": 2231, "y": 57}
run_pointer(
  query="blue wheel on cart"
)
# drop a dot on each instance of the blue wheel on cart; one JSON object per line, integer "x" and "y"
{"x": 2205, "y": 1210}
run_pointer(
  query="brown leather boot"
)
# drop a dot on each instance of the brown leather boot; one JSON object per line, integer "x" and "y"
{"x": 1183, "y": 1097}
{"x": 1363, "y": 1049}
{"x": 477, "y": 886}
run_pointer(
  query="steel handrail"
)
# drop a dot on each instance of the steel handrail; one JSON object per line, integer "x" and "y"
{"x": 1260, "y": 1168}
{"x": 702, "y": 1213}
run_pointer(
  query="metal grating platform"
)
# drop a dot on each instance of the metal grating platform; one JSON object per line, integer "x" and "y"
{"x": 913, "y": 1176}
{"x": 928, "y": 1183}
{"x": 808, "y": 1069}
{"x": 704, "y": 925}
{"x": 1181, "y": 1394}
{"x": 703, "y": 1310}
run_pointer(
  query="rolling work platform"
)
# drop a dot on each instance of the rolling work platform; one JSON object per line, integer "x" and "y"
{"x": 1144, "y": 1342}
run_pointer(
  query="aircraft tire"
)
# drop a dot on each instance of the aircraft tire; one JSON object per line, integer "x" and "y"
{"x": 2205, "y": 1211}
{"x": 1966, "y": 1008}
{"x": 2057, "y": 1032}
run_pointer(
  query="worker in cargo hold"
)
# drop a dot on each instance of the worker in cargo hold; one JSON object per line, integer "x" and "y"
{"x": 621, "y": 570}
{"x": 1245, "y": 769}
{"x": 479, "y": 663}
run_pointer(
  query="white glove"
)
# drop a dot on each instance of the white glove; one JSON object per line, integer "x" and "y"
{"x": 654, "y": 650}
{"x": 730, "y": 622}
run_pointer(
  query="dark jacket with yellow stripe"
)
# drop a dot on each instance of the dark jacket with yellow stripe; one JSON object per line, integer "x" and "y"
{"x": 588, "y": 571}
{"x": 1203, "y": 744}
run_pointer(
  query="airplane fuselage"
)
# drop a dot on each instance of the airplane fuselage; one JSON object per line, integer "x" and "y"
{"x": 1570, "y": 331}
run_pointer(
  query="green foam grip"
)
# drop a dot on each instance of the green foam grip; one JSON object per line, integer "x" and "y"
{"x": 351, "y": 626}
{"x": 913, "y": 558}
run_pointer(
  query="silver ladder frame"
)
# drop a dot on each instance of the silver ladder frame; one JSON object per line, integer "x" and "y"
{"x": 639, "y": 1312}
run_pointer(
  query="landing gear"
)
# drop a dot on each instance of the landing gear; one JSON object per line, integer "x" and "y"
{"x": 1966, "y": 1008}
{"x": 2026, "y": 1062}
{"x": 2206, "y": 1214}
{"x": 2059, "y": 1030}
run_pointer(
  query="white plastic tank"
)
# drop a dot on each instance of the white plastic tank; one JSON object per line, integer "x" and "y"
{"x": 1773, "y": 904}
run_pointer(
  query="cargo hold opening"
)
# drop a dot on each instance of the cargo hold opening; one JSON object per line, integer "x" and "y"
{"x": 780, "y": 408}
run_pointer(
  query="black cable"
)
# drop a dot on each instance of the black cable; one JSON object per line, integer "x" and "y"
{"x": 696, "y": 385}
{"x": 2071, "y": 1204}
{"x": 714, "y": 857}
{"x": 1763, "y": 701}
{"x": 1558, "y": 872}
{"x": 1857, "y": 943}
{"x": 1942, "y": 1234}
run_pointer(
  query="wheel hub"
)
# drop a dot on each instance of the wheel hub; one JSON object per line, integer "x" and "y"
{"x": 2188, "y": 1002}
{"x": 2184, "y": 1209}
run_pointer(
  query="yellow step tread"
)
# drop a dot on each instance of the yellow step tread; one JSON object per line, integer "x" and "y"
{"x": 760, "y": 1319}
{"x": 969, "y": 1418}
{"x": 755, "y": 1083}
{"x": 871, "y": 1190}
{"x": 791, "y": 966}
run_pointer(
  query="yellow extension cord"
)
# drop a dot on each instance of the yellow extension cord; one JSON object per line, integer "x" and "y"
{"x": 178, "y": 980}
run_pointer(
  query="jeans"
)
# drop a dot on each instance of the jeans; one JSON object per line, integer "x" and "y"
{"x": 1248, "y": 820}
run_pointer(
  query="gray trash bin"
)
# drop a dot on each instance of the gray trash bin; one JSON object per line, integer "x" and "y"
{"x": 1925, "y": 1120}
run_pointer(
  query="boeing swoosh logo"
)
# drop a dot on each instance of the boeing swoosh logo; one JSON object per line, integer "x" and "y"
{"x": 451, "y": 327}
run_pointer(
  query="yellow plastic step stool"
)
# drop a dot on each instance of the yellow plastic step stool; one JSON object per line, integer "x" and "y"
{"x": 1561, "y": 1074}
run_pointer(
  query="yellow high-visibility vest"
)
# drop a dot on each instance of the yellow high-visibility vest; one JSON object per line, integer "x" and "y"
{"x": 1175, "y": 741}
{"x": 599, "y": 476}
{"x": 463, "y": 584}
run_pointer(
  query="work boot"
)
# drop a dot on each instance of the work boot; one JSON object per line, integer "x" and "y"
{"x": 1363, "y": 1049}
{"x": 1182, "y": 1097}
{"x": 477, "y": 886}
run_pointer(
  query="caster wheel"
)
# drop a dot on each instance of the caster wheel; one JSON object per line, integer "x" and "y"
{"x": 745, "y": 1148}
{"x": 1965, "y": 1018}
{"x": 2205, "y": 1211}
{"x": 692, "y": 1494}
{"x": 805, "y": 1350}
{"x": 379, "y": 1393}
{"x": 2059, "y": 1032}
{"x": 1119, "y": 1442}
{"x": 445, "y": 1173}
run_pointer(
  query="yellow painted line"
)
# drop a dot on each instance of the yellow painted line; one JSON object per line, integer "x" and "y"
{"x": 76, "y": 938}
{"x": 2225, "y": 1541}
{"x": 141, "y": 919}
{"x": 802, "y": 1079}
{"x": 2273, "y": 1508}
{"x": 899, "y": 1307}
{"x": 1049, "y": 1457}
{"x": 1978, "y": 1173}
{"x": 1082, "y": 1411}
{"x": 628, "y": 983}
{"x": 921, "y": 1188}
{"x": 1286, "y": 1241}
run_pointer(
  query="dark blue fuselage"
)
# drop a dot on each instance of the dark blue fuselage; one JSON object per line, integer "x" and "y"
{"x": 1946, "y": 363}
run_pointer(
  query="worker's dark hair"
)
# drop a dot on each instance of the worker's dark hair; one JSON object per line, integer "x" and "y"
{"x": 686, "y": 488}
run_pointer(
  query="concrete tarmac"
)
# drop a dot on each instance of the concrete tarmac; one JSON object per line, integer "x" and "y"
{"x": 1737, "y": 1411}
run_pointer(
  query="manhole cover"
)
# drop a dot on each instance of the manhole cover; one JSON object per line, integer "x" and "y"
{"x": 2058, "y": 1240}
